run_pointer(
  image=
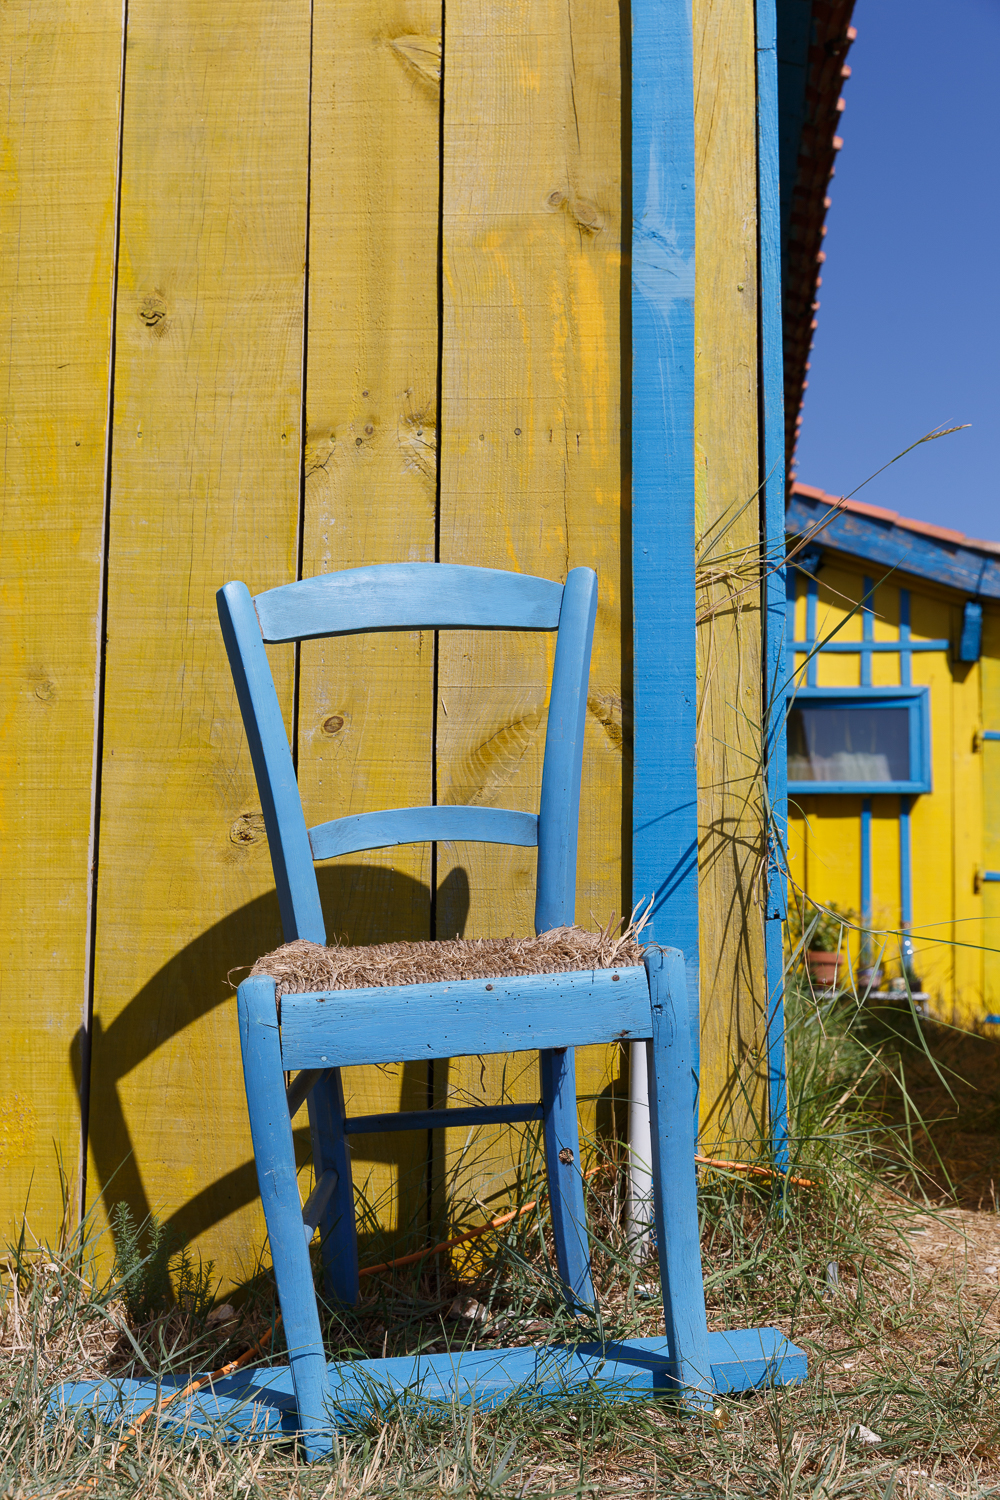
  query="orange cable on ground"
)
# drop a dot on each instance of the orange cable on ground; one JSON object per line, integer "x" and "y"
{"x": 745, "y": 1166}
{"x": 202, "y": 1380}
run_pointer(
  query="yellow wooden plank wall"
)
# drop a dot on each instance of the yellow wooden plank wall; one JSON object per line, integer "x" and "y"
{"x": 57, "y": 224}
{"x": 530, "y": 459}
{"x": 730, "y": 808}
{"x": 328, "y": 276}
{"x": 204, "y": 487}
{"x": 366, "y": 706}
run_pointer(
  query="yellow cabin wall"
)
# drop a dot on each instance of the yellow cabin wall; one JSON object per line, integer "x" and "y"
{"x": 296, "y": 388}
{"x": 59, "y": 149}
{"x": 955, "y": 828}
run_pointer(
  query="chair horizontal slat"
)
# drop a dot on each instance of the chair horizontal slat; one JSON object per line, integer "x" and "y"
{"x": 441, "y": 1119}
{"x": 408, "y": 596}
{"x": 299, "y": 1087}
{"x": 463, "y": 1018}
{"x": 415, "y": 825}
{"x": 312, "y": 1209}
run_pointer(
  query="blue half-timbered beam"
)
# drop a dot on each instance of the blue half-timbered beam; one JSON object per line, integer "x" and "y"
{"x": 665, "y": 791}
{"x": 863, "y": 647}
{"x": 890, "y": 546}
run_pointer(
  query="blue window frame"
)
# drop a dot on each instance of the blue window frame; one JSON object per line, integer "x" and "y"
{"x": 859, "y": 739}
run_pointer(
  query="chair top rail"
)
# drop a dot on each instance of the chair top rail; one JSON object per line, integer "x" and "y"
{"x": 417, "y": 825}
{"x": 463, "y": 1018}
{"x": 408, "y": 596}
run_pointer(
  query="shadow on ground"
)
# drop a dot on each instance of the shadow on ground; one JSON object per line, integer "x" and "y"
{"x": 945, "y": 1103}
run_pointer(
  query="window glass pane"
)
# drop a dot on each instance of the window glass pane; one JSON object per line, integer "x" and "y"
{"x": 840, "y": 742}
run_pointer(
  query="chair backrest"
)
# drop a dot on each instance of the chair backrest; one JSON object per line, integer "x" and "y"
{"x": 413, "y": 596}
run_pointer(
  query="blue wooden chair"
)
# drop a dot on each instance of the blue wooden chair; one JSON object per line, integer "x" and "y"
{"x": 550, "y": 1013}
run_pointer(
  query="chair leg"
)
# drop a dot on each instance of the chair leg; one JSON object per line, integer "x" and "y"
{"x": 562, "y": 1166}
{"x": 337, "y": 1227}
{"x": 274, "y": 1154}
{"x": 675, "y": 1199}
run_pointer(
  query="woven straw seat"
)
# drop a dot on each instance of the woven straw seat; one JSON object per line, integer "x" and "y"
{"x": 300, "y": 967}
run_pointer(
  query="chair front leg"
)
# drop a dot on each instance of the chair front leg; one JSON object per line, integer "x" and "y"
{"x": 565, "y": 1179}
{"x": 274, "y": 1154}
{"x": 675, "y": 1196}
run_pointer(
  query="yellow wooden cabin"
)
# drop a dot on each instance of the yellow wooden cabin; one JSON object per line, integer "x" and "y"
{"x": 894, "y": 743}
{"x": 297, "y": 285}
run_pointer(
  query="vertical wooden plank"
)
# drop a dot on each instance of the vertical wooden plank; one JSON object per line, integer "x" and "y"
{"x": 205, "y": 484}
{"x": 529, "y": 449}
{"x": 988, "y": 857}
{"x": 664, "y": 801}
{"x": 932, "y": 823}
{"x": 366, "y": 705}
{"x": 967, "y": 822}
{"x": 60, "y": 113}
{"x": 777, "y": 618}
{"x": 730, "y": 709}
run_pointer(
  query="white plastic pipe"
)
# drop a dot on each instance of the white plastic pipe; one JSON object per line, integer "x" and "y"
{"x": 639, "y": 1202}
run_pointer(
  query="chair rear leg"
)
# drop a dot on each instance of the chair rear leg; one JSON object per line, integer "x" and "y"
{"x": 563, "y": 1169}
{"x": 274, "y": 1154}
{"x": 337, "y": 1227}
{"x": 675, "y": 1198}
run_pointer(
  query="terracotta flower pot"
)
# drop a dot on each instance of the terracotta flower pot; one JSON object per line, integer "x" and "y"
{"x": 825, "y": 967}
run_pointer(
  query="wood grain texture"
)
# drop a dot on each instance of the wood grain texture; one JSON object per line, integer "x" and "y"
{"x": 366, "y": 705}
{"x": 529, "y": 450}
{"x": 461, "y": 1018}
{"x": 730, "y": 711}
{"x": 664, "y": 796}
{"x": 205, "y": 479}
{"x": 59, "y": 112}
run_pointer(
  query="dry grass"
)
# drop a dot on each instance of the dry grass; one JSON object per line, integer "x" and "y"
{"x": 903, "y": 1338}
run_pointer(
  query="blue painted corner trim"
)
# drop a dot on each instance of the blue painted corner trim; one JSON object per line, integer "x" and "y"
{"x": 665, "y": 793}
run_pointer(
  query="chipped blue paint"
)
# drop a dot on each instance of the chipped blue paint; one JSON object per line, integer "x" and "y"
{"x": 895, "y": 547}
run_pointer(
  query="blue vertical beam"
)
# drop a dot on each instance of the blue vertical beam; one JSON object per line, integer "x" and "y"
{"x": 812, "y": 599}
{"x": 905, "y": 879}
{"x": 665, "y": 789}
{"x": 906, "y": 890}
{"x": 905, "y": 654}
{"x": 776, "y": 590}
{"x": 867, "y": 632}
{"x": 905, "y": 804}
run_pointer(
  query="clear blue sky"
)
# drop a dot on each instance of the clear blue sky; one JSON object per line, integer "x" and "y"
{"x": 909, "y": 322}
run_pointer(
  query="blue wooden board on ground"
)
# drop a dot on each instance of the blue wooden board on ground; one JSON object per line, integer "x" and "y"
{"x": 260, "y": 1403}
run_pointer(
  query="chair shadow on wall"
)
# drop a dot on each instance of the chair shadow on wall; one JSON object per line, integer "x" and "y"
{"x": 363, "y": 904}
